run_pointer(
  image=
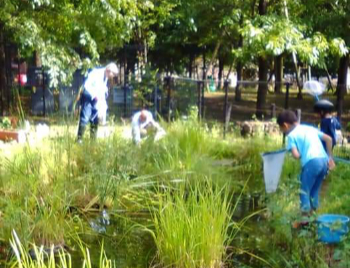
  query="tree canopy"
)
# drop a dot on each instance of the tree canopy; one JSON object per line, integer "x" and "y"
{"x": 71, "y": 34}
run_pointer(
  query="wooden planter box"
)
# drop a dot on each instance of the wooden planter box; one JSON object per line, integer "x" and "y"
{"x": 10, "y": 135}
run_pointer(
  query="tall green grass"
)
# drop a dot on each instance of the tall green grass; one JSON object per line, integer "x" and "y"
{"x": 51, "y": 258}
{"x": 192, "y": 226}
{"x": 48, "y": 189}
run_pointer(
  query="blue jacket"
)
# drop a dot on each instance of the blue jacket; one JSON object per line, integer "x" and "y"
{"x": 329, "y": 126}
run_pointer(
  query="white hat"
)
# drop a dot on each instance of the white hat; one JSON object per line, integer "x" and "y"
{"x": 112, "y": 67}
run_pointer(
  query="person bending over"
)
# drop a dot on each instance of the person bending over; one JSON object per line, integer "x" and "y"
{"x": 304, "y": 142}
{"x": 94, "y": 98}
{"x": 142, "y": 123}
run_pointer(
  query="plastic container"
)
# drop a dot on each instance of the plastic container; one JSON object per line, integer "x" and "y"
{"x": 331, "y": 228}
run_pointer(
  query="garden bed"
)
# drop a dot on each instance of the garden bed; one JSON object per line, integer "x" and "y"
{"x": 12, "y": 135}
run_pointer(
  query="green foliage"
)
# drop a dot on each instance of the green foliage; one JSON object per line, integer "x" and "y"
{"x": 5, "y": 123}
{"x": 149, "y": 81}
{"x": 67, "y": 34}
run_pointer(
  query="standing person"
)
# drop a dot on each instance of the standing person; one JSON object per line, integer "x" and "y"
{"x": 304, "y": 142}
{"x": 329, "y": 123}
{"x": 94, "y": 98}
{"x": 141, "y": 123}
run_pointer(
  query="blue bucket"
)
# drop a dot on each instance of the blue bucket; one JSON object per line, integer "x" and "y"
{"x": 331, "y": 228}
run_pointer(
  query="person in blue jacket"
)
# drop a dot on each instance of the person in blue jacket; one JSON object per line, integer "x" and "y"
{"x": 93, "y": 98}
{"x": 329, "y": 123}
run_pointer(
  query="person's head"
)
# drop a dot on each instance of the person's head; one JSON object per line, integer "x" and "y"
{"x": 287, "y": 120}
{"x": 143, "y": 116}
{"x": 324, "y": 108}
{"x": 111, "y": 70}
{"x": 324, "y": 113}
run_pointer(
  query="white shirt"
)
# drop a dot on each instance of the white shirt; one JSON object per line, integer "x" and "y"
{"x": 137, "y": 125}
{"x": 96, "y": 86}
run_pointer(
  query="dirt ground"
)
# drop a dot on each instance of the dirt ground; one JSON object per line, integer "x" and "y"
{"x": 245, "y": 109}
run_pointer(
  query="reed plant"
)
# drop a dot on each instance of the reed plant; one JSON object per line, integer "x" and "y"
{"x": 52, "y": 258}
{"x": 192, "y": 226}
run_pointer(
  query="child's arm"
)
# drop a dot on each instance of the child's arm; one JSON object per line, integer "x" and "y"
{"x": 295, "y": 153}
{"x": 328, "y": 140}
{"x": 337, "y": 123}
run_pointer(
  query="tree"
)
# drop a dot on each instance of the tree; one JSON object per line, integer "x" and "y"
{"x": 272, "y": 34}
{"x": 67, "y": 34}
{"x": 332, "y": 19}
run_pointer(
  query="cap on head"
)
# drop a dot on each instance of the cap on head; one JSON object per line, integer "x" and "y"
{"x": 112, "y": 67}
{"x": 324, "y": 106}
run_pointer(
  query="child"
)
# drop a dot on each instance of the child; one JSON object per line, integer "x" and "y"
{"x": 304, "y": 142}
{"x": 329, "y": 124}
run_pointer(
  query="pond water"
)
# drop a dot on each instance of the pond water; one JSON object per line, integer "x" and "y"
{"x": 131, "y": 246}
{"x": 124, "y": 242}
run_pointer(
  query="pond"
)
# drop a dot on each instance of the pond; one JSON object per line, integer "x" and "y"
{"x": 48, "y": 191}
{"x": 127, "y": 243}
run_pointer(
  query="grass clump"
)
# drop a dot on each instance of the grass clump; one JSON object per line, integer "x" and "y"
{"x": 192, "y": 226}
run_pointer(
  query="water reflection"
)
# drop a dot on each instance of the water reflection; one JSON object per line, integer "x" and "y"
{"x": 124, "y": 242}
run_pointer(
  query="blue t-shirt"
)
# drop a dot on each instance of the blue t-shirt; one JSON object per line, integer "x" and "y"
{"x": 328, "y": 126}
{"x": 307, "y": 140}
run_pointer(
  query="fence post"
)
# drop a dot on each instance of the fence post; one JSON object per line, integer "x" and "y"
{"x": 273, "y": 110}
{"x": 44, "y": 98}
{"x": 298, "y": 113}
{"x": 204, "y": 84}
{"x": 199, "y": 104}
{"x": 125, "y": 89}
{"x": 286, "y": 103}
{"x": 125, "y": 99}
{"x": 155, "y": 101}
{"x": 168, "y": 100}
{"x": 226, "y": 82}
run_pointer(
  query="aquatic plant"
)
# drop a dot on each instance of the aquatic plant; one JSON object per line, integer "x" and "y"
{"x": 52, "y": 257}
{"x": 192, "y": 226}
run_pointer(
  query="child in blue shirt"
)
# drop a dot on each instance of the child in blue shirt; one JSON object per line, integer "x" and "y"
{"x": 304, "y": 142}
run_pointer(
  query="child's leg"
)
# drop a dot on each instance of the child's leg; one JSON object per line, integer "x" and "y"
{"x": 306, "y": 183}
{"x": 322, "y": 167}
{"x": 311, "y": 178}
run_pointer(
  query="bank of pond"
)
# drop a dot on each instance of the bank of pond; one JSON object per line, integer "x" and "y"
{"x": 192, "y": 199}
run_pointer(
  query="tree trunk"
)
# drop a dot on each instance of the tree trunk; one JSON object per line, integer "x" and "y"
{"x": 190, "y": 65}
{"x": 2, "y": 70}
{"x": 145, "y": 52}
{"x": 221, "y": 68}
{"x": 204, "y": 74}
{"x": 262, "y": 7}
{"x": 215, "y": 52}
{"x": 342, "y": 82}
{"x": 278, "y": 73}
{"x": 238, "y": 92}
{"x": 263, "y": 68}
{"x": 262, "y": 89}
{"x": 299, "y": 85}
